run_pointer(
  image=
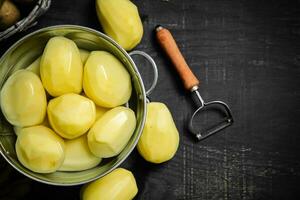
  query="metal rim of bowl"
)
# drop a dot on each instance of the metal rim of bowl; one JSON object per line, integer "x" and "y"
{"x": 117, "y": 164}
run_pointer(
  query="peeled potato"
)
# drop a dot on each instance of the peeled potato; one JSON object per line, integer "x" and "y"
{"x": 61, "y": 67}
{"x": 159, "y": 140}
{"x": 84, "y": 54}
{"x": 40, "y": 149}
{"x": 35, "y": 66}
{"x": 100, "y": 111}
{"x": 110, "y": 133}
{"x": 23, "y": 99}
{"x": 9, "y": 14}
{"x": 120, "y": 184}
{"x": 78, "y": 156}
{"x": 105, "y": 80}
{"x": 121, "y": 21}
{"x": 71, "y": 115}
{"x": 17, "y": 129}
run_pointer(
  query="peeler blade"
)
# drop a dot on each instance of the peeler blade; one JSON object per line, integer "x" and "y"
{"x": 224, "y": 123}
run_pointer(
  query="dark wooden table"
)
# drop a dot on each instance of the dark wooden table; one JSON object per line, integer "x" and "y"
{"x": 246, "y": 53}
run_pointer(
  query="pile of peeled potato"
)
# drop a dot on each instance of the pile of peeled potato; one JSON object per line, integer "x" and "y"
{"x": 83, "y": 120}
{"x": 67, "y": 108}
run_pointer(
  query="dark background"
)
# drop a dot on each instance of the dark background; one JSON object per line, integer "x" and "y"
{"x": 246, "y": 53}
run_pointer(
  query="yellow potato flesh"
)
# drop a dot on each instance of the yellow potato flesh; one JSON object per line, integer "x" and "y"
{"x": 71, "y": 115}
{"x": 120, "y": 184}
{"x": 100, "y": 111}
{"x": 61, "y": 67}
{"x": 110, "y": 133}
{"x": 40, "y": 149}
{"x": 160, "y": 139}
{"x": 105, "y": 80}
{"x": 35, "y": 66}
{"x": 23, "y": 99}
{"x": 17, "y": 129}
{"x": 84, "y": 54}
{"x": 78, "y": 156}
{"x": 120, "y": 20}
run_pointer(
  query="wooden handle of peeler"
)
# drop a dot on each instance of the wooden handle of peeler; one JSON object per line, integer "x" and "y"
{"x": 169, "y": 45}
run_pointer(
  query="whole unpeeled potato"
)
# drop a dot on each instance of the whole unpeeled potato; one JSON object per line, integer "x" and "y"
{"x": 159, "y": 140}
{"x": 111, "y": 132}
{"x": 9, "y": 14}
{"x": 120, "y": 184}
{"x": 71, "y": 115}
{"x": 120, "y": 20}
{"x": 61, "y": 67}
{"x": 106, "y": 80}
{"x": 78, "y": 156}
{"x": 40, "y": 149}
{"x": 23, "y": 99}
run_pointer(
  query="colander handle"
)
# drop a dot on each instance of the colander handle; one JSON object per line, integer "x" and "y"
{"x": 153, "y": 65}
{"x": 169, "y": 45}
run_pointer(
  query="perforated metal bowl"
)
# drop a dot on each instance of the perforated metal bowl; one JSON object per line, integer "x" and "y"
{"x": 24, "y": 52}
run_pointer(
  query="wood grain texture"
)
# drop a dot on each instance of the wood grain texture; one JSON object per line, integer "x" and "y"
{"x": 246, "y": 53}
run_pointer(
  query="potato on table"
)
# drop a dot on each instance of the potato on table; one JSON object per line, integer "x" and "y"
{"x": 120, "y": 20}
{"x": 160, "y": 138}
{"x": 120, "y": 184}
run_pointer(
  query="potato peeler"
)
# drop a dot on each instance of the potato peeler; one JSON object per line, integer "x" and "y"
{"x": 191, "y": 83}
